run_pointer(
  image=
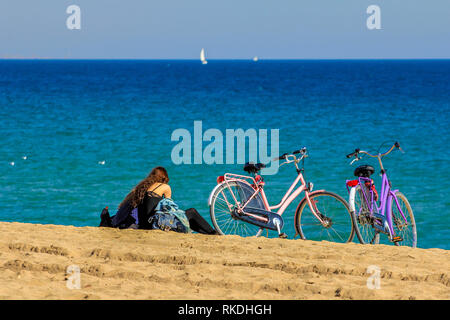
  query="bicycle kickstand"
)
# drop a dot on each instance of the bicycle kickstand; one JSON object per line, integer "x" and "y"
{"x": 281, "y": 235}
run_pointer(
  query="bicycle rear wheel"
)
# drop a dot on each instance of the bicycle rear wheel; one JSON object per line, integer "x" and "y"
{"x": 223, "y": 204}
{"x": 333, "y": 209}
{"x": 407, "y": 230}
{"x": 364, "y": 229}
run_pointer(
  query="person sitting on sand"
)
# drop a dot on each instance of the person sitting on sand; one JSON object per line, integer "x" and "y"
{"x": 139, "y": 205}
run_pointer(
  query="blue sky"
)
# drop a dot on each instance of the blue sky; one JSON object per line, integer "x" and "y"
{"x": 231, "y": 29}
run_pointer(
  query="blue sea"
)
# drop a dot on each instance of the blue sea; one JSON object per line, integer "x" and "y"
{"x": 66, "y": 117}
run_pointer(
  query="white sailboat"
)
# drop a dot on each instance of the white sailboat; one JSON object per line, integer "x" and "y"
{"x": 255, "y": 58}
{"x": 202, "y": 57}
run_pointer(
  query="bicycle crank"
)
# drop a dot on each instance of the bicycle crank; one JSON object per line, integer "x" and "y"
{"x": 380, "y": 223}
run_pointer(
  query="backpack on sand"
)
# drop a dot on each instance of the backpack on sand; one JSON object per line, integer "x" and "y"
{"x": 168, "y": 217}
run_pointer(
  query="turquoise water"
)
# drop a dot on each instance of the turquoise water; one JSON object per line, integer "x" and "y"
{"x": 67, "y": 116}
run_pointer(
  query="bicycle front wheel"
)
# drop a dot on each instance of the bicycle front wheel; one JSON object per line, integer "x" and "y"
{"x": 337, "y": 225}
{"x": 405, "y": 229}
{"x": 223, "y": 204}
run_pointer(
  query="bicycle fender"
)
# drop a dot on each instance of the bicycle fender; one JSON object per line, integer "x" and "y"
{"x": 388, "y": 213}
{"x": 394, "y": 191}
{"x": 213, "y": 192}
{"x": 351, "y": 199}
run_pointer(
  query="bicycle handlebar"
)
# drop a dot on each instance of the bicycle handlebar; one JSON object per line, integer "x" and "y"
{"x": 284, "y": 156}
{"x": 302, "y": 151}
{"x": 353, "y": 153}
{"x": 358, "y": 151}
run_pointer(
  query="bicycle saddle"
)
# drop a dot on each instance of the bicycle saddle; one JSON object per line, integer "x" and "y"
{"x": 364, "y": 171}
{"x": 251, "y": 167}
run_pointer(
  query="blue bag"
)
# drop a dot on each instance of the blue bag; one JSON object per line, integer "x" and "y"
{"x": 168, "y": 217}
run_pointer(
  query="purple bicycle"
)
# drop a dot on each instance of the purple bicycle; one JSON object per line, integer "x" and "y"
{"x": 390, "y": 214}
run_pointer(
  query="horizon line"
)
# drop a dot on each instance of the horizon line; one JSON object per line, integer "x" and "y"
{"x": 216, "y": 59}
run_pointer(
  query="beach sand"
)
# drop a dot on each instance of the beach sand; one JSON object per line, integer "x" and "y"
{"x": 139, "y": 264}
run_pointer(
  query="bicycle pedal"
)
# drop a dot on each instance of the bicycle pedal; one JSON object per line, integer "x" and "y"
{"x": 283, "y": 235}
{"x": 397, "y": 239}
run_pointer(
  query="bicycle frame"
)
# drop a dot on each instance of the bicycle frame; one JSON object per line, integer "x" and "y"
{"x": 387, "y": 194}
{"x": 287, "y": 199}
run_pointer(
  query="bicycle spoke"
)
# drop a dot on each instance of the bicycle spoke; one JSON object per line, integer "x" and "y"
{"x": 334, "y": 230}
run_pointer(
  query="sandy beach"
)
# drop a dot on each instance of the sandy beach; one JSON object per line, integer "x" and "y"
{"x": 138, "y": 264}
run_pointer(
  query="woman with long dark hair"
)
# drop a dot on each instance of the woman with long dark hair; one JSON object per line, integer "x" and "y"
{"x": 139, "y": 205}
